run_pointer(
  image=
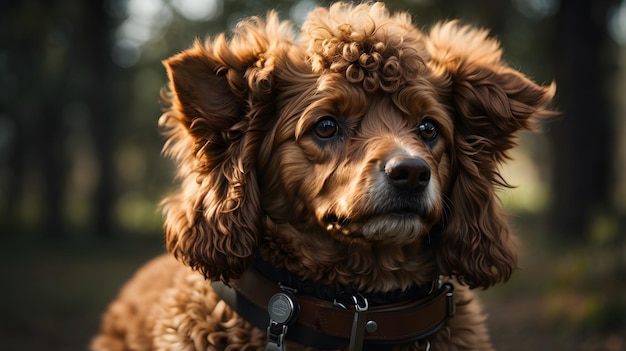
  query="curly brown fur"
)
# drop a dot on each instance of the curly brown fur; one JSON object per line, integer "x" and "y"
{"x": 365, "y": 154}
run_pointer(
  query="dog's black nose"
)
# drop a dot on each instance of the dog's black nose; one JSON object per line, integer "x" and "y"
{"x": 408, "y": 173}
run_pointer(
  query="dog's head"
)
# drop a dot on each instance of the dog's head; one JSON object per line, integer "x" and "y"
{"x": 365, "y": 132}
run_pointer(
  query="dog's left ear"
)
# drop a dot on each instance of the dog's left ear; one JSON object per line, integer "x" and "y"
{"x": 489, "y": 102}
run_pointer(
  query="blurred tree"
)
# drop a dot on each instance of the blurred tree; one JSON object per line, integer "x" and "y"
{"x": 95, "y": 46}
{"x": 56, "y": 57}
{"x": 11, "y": 152}
{"x": 583, "y": 140}
{"x": 37, "y": 63}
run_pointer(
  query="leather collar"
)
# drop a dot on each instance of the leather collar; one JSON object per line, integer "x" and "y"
{"x": 325, "y": 323}
{"x": 341, "y": 294}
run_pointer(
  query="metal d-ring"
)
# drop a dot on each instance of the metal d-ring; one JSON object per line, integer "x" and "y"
{"x": 358, "y": 298}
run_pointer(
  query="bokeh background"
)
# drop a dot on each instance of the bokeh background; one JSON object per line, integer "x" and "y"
{"x": 81, "y": 173}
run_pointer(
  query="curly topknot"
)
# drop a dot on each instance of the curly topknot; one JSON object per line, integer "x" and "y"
{"x": 368, "y": 45}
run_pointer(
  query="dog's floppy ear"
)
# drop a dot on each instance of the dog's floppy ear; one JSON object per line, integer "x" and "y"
{"x": 489, "y": 103}
{"x": 219, "y": 101}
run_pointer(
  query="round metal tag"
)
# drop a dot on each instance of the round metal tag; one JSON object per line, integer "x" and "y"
{"x": 283, "y": 308}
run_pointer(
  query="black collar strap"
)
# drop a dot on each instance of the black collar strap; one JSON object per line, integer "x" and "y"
{"x": 326, "y": 325}
{"x": 342, "y": 294}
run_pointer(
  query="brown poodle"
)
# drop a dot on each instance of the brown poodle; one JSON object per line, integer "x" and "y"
{"x": 336, "y": 177}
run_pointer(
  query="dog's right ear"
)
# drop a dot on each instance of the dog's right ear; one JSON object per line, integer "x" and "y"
{"x": 219, "y": 95}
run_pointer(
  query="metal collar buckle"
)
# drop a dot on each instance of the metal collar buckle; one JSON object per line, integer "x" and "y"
{"x": 283, "y": 310}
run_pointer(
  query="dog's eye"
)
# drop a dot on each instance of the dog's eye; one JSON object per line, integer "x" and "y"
{"x": 326, "y": 128}
{"x": 428, "y": 130}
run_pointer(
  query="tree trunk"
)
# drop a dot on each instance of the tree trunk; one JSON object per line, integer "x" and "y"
{"x": 102, "y": 98}
{"x": 583, "y": 138}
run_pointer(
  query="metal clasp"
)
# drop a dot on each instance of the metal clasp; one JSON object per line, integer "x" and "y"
{"x": 283, "y": 310}
{"x": 276, "y": 337}
{"x": 450, "y": 298}
{"x": 359, "y": 322}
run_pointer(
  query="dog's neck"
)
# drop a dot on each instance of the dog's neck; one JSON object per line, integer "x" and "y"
{"x": 339, "y": 294}
{"x": 364, "y": 266}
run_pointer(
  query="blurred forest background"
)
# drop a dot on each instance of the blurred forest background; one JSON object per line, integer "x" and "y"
{"x": 81, "y": 173}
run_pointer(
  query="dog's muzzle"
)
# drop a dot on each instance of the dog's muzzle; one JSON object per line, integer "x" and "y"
{"x": 397, "y": 204}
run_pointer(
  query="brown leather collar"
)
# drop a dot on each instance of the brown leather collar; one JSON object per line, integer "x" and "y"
{"x": 325, "y": 325}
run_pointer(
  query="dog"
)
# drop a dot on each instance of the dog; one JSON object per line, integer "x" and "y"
{"x": 337, "y": 188}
